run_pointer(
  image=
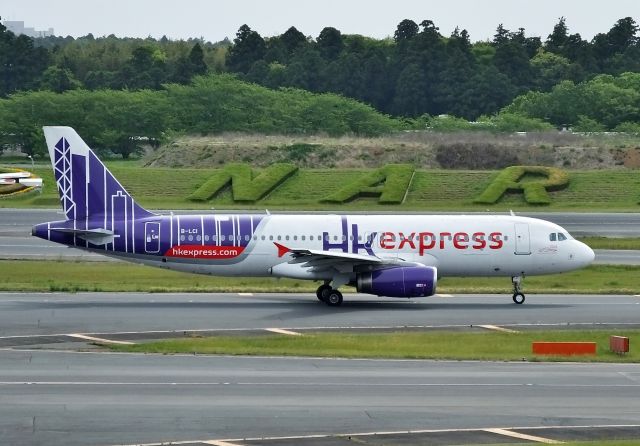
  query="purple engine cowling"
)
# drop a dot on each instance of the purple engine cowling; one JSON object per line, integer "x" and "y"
{"x": 405, "y": 281}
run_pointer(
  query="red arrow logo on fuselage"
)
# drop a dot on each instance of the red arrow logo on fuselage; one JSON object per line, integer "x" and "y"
{"x": 282, "y": 250}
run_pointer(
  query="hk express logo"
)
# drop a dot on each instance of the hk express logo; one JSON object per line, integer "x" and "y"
{"x": 420, "y": 242}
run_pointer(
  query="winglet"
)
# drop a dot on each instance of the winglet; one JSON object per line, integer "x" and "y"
{"x": 282, "y": 250}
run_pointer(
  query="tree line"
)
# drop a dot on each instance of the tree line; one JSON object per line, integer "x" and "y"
{"x": 418, "y": 71}
{"x": 123, "y": 122}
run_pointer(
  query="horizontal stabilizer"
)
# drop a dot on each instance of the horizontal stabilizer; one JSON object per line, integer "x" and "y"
{"x": 96, "y": 236}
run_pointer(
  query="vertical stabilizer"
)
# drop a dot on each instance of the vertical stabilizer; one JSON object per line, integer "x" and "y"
{"x": 87, "y": 189}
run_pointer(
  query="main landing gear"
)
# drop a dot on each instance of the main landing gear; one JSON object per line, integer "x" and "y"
{"x": 518, "y": 295}
{"x": 329, "y": 296}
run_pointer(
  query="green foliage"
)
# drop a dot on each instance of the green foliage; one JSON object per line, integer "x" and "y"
{"x": 213, "y": 104}
{"x": 535, "y": 191}
{"x": 628, "y": 127}
{"x": 246, "y": 186}
{"x": 586, "y": 124}
{"x": 606, "y": 100}
{"x": 118, "y": 121}
{"x": 510, "y": 122}
{"x": 122, "y": 121}
{"x": 446, "y": 123}
{"x": 389, "y": 183}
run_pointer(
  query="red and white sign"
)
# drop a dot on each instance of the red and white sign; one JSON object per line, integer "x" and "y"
{"x": 204, "y": 252}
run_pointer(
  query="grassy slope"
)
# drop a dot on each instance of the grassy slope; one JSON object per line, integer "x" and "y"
{"x": 405, "y": 345}
{"x": 32, "y": 275}
{"x": 430, "y": 190}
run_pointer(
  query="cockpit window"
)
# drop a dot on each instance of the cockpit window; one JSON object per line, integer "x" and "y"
{"x": 552, "y": 237}
{"x": 561, "y": 236}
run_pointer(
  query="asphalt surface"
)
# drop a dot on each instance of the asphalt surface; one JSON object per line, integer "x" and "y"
{"x": 52, "y": 396}
{"x": 16, "y": 241}
{"x": 25, "y": 314}
{"x": 61, "y": 398}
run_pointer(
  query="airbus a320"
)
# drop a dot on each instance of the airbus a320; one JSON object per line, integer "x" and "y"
{"x": 385, "y": 255}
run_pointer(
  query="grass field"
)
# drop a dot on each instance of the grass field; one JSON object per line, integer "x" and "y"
{"x": 486, "y": 346}
{"x": 611, "y": 242}
{"x": 579, "y": 443}
{"x": 430, "y": 190}
{"x": 33, "y": 275}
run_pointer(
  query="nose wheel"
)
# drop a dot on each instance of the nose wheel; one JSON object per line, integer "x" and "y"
{"x": 518, "y": 295}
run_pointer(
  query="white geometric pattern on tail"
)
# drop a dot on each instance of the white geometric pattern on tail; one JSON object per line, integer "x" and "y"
{"x": 62, "y": 168}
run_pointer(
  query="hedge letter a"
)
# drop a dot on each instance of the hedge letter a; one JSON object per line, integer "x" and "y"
{"x": 390, "y": 183}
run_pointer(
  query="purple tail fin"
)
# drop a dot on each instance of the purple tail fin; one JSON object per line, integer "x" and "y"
{"x": 87, "y": 189}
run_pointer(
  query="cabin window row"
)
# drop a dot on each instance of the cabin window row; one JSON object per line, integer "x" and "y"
{"x": 336, "y": 238}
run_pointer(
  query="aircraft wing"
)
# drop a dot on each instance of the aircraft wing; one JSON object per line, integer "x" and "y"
{"x": 13, "y": 175}
{"x": 318, "y": 260}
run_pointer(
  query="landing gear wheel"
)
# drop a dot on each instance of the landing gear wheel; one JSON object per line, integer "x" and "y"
{"x": 334, "y": 299}
{"x": 518, "y": 298}
{"x": 518, "y": 295}
{"x": 323, "y": 292}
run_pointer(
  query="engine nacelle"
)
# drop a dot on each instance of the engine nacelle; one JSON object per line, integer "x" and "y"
{"x": 402, "y": 281}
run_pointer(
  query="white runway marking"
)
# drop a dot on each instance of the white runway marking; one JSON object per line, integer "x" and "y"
{"x": 283, "y": 331}
{"x": 220, "y": 443}
{"x": 102, "y": 340}
{"x": 245, "y": 294}
{"x": 497, "y": 328}
{"x": 520, "y": 436}
{"x": 498, "y": 431}
{"x": 444, "y": 295}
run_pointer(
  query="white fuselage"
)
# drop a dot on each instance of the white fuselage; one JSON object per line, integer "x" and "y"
{"x": 458, "y": 245}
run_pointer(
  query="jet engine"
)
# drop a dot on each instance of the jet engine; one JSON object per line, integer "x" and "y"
{"x": 404, "y": 281}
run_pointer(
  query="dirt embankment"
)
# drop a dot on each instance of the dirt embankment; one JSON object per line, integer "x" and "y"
{"x": 423, "y": 149}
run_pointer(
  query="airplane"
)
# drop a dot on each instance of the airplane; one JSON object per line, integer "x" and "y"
{"x": 24, "y": 178}
{"x": 385, "y": 255}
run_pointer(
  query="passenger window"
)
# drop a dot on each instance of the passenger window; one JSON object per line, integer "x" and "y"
{"x": 552, "y": 237}
{"x": 561, "y": 237}
{"x": 302, "y": 237}
{"x": 271, "y": 237}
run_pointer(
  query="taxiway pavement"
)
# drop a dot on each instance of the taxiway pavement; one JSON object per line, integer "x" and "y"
{"x": 25, "y": 314}
{"x": 69, "y": 398}
{"x": 53, "y": 396}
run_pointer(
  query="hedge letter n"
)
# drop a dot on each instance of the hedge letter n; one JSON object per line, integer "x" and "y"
{"x": 245, "y": 186}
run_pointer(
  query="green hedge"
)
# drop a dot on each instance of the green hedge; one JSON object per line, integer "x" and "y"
{"x": 245, "y": 185}
{"x": 390, "y": 183}
{"x": 535, "y": 192}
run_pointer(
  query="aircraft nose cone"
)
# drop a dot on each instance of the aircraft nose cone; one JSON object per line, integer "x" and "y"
{"x": 586, "y": 255}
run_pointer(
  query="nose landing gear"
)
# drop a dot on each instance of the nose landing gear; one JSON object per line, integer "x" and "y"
{"x": 518, "y": 295}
